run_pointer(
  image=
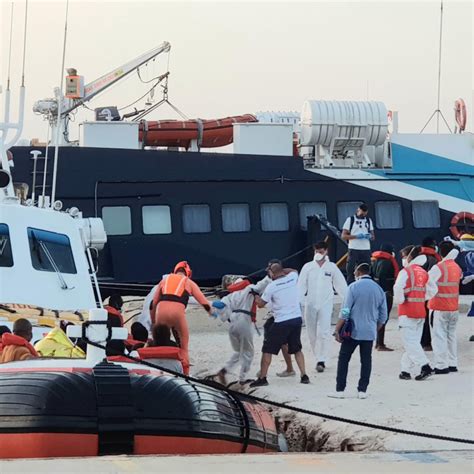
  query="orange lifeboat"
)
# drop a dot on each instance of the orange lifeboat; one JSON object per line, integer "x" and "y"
{"x": 179, "y": 133}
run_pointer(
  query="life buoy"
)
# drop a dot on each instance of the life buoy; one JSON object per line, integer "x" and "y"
{"x": 460, "y": 114}
{"x": 464, "y": 218}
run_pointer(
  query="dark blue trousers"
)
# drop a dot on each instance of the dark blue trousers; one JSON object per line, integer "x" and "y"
{"x": 345, "y": 353}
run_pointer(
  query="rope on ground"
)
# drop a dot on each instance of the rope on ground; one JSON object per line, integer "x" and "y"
{"x": 284, "y": 406}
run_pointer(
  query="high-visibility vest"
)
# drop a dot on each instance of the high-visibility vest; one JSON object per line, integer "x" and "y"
{"x": 447, "y": 298}
{"x": 174, "y": 289}
{"x": 415, "y": 291}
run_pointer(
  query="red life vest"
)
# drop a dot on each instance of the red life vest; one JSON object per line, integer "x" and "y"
{"x": 415, "y": 291}
{"x": 447, "y": 298}
{"x": 9, "y": 339}
{"x": 164, "y": 352}
{"x": 115, "y": 312}
{"x": 238, "y": 287}
{"x": 173, "y": 289}
{"x": 387, "y": 256}
{"x": 432, "y": 252}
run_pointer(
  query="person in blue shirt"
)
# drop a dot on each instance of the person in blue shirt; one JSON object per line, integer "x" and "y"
{"x": 366, "y": 305}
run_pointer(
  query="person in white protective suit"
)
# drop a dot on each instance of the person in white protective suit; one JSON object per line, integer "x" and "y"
{"x": 239, "y": 309}
{"x": 317, "y": 281}
{"x": 144, "y": 317}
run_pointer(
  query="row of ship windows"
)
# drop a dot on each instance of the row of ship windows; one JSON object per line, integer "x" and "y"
{"x": 274, "y": 216}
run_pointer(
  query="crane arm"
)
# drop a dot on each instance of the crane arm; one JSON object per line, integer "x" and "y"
{"x": 105, "y": 81}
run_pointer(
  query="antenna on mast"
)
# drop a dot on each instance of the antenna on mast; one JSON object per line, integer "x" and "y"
{"x": 437, "y": 111}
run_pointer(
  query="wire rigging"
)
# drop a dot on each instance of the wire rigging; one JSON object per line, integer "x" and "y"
{"x": 10, "y": 47}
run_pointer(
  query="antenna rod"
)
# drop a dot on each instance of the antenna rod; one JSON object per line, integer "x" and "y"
{"x": 10, "y": 47}
{"x": 60, "y": 101}
{"x": 439, "y": 66}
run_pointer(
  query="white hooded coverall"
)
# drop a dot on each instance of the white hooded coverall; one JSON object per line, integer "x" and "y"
{"x": 411, "y": 328}
{"x": 241, "y": 328}
{"x": 316, "y": 288}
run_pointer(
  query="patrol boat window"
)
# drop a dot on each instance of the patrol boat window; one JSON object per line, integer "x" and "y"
{"x": 307, "y": 209}
{"x": 196, "y": 219}
{"x": 345, "y": 210}
{"x": 425, "y": 214}
{"x": 117, "y": 220}
{"x": 156, "y": 219}
{"x": 388, "y": 215}
{"x": 6, "y": 257}
{"x": 235, "y": 217}
{"x": 274, "y": 217}
{"x": 50, "y": 252}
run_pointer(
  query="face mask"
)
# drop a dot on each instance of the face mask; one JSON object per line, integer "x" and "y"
{"x": 436, "y": 249}
{"x": 319, "y": 256}
{"x": 404, "y": 262}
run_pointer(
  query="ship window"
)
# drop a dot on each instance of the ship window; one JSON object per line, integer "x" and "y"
{"x": 235, "y": 218}
{"x": 117, "y": 220}
{"x": 156, "y": 219}
{"x": 50, "y": 251}
{"x": 425, "y": 214}
{"x": 6, "y": 257}
{"x": 388, "y": 215}
{"x": 196, "y": 219}
{"x": 308, "y": 209}
{"x": 274, "y": 216}
{"x": 345, "y": 210}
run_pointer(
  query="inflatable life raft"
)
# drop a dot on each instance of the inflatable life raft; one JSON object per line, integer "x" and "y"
{"x": 180, "y": 133}
{"x": 111, "y": 409}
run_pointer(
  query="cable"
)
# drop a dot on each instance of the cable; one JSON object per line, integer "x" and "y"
{"x": 284, "y": 406}
{"x": 24, "y": 45}
{"x": 140, "y": 98}
{"x": 10, "y": 47}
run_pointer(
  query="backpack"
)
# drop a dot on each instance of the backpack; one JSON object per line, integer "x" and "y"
{"x": 368, "y": 223}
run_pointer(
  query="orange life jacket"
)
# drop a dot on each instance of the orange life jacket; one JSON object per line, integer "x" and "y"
{"x": 115, "y": 312}
{"x": 238, "y": 287}
{"x": 10, "y": 342}
{"x": 447, "y": 298}
{"x": 173, "y": 289}
{"x": 415, "y": 291}
{"x": 164, "y": 352}
{"x": 387, "y": 256}
{"x": 432, "y": 252}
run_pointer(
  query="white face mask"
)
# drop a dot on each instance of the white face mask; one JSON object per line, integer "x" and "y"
{"x": 319, "y": 256}
{"x": 404, "y": 262}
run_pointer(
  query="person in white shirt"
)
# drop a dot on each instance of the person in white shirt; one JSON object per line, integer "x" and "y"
{"x": 144, "y": 318}
{"x": 358, "y": 231}
{"x": 317, "y": 281}
{"x": 282, "y": 297}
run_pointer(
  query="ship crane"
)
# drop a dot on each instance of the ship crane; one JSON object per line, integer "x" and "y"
{"x": 78, "y": 94}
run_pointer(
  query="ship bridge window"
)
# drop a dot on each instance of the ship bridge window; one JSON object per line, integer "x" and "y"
{"x": 50, "y": 252}
{"x": 274, "y": 217}
{"x": 117, "y": 220}
{"x": 156, "y": 219}
{"x": 235, "y": 217}
{"x": 6, "y": 257}
{"x": 196, "y": 219}
{"x": 345, "y": 210}
{"x": 308, "y": 209}
{"x": 425, "y": 214}
{"x": 388, "y": 215}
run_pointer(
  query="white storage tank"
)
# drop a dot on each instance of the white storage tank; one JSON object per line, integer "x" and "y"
{"x": 324, "y": 122}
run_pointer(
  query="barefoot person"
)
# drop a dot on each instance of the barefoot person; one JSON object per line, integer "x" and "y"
{"x": 282, "y": 297}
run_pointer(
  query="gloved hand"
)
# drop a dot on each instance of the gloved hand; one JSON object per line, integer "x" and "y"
{"x": 367, "y": 236}
{"x": 360, "y": 236}
{"x": 214, "y": 315}
{"x": 345, "y": 312}
{"x": 218, "y": 304}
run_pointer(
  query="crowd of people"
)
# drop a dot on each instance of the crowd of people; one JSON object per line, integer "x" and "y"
{"x": 425, "y": 288}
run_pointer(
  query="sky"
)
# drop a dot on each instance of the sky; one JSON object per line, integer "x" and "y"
{"x": 229, "y": 58}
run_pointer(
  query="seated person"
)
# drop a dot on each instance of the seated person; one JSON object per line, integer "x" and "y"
{"x": 138, "y": 338}
{"x": 161, "y": 336}
{"x": 16, "y": 346}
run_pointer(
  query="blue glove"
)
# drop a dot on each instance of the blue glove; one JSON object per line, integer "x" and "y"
{"x": 346, "y": 312}
{"x": 218, "y": 304}
{"x": 367, "y": 236}
{"x": 214, "y": 315}
{"x": 360, "y": 236}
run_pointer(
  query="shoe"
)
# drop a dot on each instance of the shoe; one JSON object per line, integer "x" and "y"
{"x": 453, "y": 369}
{"x": 286, "y": 373}
{"x": 426, "y": 371}
{"x": 441, "y": 371}
{"x": 362, "y": 395}
{"x": 384, "y": 349}
{"x": 260, "y": 382}
{"x": 404, "y": 376}
{"x": 428, "y": 348}
{"x": 304, "y": 379}
{"x": 337, "y": 395}
{"x": 320, "y": 366}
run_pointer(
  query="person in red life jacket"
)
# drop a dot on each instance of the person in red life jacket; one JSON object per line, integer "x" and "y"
{"x": 412, "y": 288}
{"x": 429, "y": 248}
{"x": 16, "y": 346}
{"x": 384, "y": 271}
{"x": 138, "y": 337}
{"x": 444, "y": 305}
{"x": 239, "y": 308}
{"x": 170, "y": 301}
{"x": 115, "y": 320}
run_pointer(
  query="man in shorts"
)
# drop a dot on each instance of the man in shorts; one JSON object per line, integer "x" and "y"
{"x": 282, "y": 297}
